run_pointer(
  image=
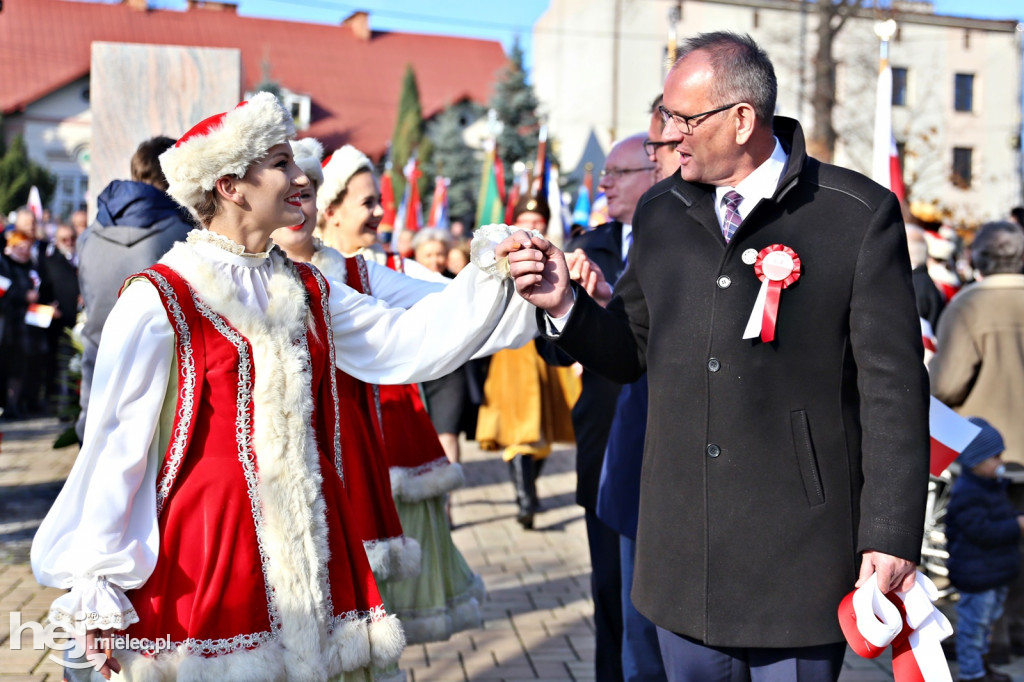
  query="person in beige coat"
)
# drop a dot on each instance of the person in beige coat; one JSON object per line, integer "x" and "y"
{"x": 978, "y": 369}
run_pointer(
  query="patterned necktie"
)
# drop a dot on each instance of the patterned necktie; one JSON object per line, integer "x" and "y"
{"x": 629, "y": 245}
{"x": 731, "y": 217}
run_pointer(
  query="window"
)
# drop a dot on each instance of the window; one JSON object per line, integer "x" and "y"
{"x": 69, "y": 196}
{"x": 299, "y": 106}
{"x": 899, "y": 86}
{"x": 963, "y": 94}
{"x": 962, "y": 157}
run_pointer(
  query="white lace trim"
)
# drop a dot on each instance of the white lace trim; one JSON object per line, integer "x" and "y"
{"x": 225, "y": 243}
{"x": 93, "y": 620}
{"x": 243, "y": 436}
{"x": 326, "y": 312}
{"x": 186, "y": 391}
{"x": 364, "y": 281}
{"x": 485, "y": 241}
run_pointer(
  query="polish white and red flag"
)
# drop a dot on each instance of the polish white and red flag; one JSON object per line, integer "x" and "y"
{"x": 950, "y": 434}
{"x": 885, "y": 161}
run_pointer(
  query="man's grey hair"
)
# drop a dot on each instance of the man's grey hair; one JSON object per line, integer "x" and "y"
{"x": 432, "y": 234}
{"x": 743, "y": 72}
{"x": 998, "y": 248}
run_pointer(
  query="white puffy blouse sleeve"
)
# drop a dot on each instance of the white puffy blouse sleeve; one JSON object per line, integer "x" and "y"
{"x": 100, "y": 538}
{"x": 475, "y": 315}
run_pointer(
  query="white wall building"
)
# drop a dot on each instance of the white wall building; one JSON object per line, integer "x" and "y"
{"x": 598, "y": 64}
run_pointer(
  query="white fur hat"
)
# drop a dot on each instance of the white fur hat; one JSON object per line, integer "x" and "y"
{"x": 307, "y": 153}
{"x": 339, "y": 168}
{"x": 224, "y": 144}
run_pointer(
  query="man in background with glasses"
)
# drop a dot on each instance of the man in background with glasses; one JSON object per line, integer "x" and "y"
{"x": 787, "y": 444}
{"x": 659, "y": 150}
{"x": 628, "y": 173}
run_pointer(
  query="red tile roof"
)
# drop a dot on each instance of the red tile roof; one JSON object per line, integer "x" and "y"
{"x": 354, "y": 84}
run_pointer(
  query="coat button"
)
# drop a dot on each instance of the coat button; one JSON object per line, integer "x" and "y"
{"x": 714, "y": 365}
{"x": 714, "y": 450}
{"x": 724, "y": 282}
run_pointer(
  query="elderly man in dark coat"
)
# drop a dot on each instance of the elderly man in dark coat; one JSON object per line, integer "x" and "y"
{"x": 769, "y": 299}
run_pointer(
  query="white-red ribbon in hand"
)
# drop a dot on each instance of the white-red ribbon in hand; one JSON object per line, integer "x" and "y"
{"x": 906, "y": 621}
{"x": 778, "y": 267}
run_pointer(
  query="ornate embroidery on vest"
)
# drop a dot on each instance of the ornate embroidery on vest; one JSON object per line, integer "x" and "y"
{"x": 364, "y": 283}
{"x": 186, "y": 390}
{"x": 243, "y": 435}
{"x": 326, "y": 313}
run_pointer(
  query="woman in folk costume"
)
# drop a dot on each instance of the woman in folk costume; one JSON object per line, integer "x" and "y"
{"x": 445, "y": 597}
{"x": 527, "y": 403}
{"x": 392, "y": 556}
{"x": 208, "y": 504}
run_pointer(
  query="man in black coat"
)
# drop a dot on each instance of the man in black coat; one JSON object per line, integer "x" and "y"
{"x": 786, "y": 457}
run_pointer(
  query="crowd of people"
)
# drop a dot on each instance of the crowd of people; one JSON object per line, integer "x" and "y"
{"x": 273, "y": 397}
{"x": 38, "y": 273}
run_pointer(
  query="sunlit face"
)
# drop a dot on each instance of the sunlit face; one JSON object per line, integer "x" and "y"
{"x": 432, "y": 254}
{"x": 25, "y": 223}
{"x": 988, "y": 468}
{"x": 21, "y": 252}
{"x": 352, "y": 223}
{"x": 664, "y": 157}
{"x": 710, "y": 154}
{"x": 272, "y": 189}
{"x": 297, "y": 238}
{"x": 456, "y": 261}
{"x": 528, "y": 220}
{"x": 628, "y": 174}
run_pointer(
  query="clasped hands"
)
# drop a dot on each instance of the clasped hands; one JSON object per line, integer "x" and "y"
{"x": 542, "y": 273}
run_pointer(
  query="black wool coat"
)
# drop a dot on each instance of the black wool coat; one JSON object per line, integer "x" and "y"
{"x": 595, "y": 408}
{"x": 768, "y": 467}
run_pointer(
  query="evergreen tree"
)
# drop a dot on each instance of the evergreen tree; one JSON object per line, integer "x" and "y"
{"x": 454, "y": 159}
{"x": 408, "y": 131}
{"x": 516, "y": 106}
{"x": 17, "y": 175}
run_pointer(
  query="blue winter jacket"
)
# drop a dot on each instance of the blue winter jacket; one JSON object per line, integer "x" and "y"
{"x": 982, "y": 534}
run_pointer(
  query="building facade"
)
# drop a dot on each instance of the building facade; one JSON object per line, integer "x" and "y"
{"x": 342, "y": 82}
{"x": 598, "y": 64}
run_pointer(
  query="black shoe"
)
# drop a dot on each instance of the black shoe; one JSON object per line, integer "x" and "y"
{"x": 991, "y": 674}
{"x": 521, "y": 469}
{"x": 998, "y": 654}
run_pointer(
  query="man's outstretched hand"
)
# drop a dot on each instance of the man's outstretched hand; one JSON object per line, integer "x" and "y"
{"x": 539, "y": 271}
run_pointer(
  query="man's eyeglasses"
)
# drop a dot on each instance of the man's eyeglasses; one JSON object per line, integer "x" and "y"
{"x": 650, "y": 146}
{"x": 685, "y": 124}
{"x": 616, "y": 173}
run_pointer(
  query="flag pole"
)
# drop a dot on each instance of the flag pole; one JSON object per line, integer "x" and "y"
{"x": 883, "y": 137}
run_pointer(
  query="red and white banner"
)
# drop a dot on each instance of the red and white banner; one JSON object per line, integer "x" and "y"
{"x": 35, "y": 203}
{"x": 906, "y": 621}
{"x": 5, "y": 284}
{"x": 950, "y": 433}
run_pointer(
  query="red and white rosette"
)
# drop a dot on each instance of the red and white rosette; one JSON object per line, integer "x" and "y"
{"x": 908, "y": 622}
{"x": 778, "y": 267}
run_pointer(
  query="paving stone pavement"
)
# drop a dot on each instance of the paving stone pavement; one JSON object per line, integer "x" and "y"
{"x": 538, "y": 614}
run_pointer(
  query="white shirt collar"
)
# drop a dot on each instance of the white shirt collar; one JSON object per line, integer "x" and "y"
{"x": 627, "y": 231}
{"x": 760, "y": 184}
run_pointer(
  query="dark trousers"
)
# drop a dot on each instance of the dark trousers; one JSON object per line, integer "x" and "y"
{"x": 641, "y": 655}
{"x": 606, "y": 589}
{"x": 687, "y": 660}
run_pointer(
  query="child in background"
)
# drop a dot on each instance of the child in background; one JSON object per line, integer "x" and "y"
{"x": 982, "y": 530}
